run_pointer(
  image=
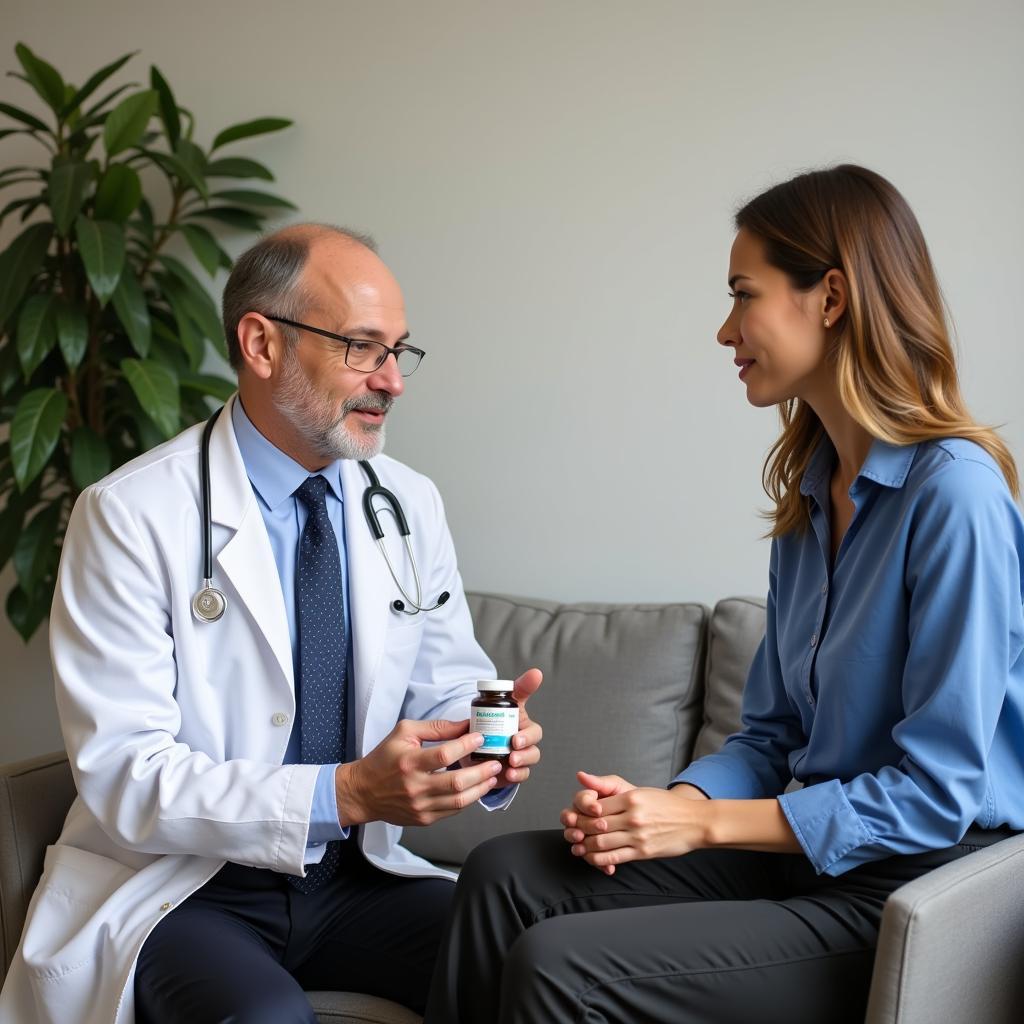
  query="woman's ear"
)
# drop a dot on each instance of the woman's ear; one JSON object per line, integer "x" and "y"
{"x": 836, "y": 295}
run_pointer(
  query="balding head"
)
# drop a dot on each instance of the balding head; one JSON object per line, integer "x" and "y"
{"x": 269, "y": 277}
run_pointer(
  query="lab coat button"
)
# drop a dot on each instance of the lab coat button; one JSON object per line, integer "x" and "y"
{"x": 166, "y": 906}
{"x": 279, "y": 718}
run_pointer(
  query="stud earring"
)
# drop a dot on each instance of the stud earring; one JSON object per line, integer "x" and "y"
{"x": 827, "y": 323}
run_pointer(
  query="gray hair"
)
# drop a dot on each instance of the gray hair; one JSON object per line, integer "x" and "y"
{"x": 268, "y": 279}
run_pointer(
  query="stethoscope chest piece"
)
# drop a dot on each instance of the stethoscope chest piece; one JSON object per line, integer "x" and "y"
{"x": 208, "y": 605}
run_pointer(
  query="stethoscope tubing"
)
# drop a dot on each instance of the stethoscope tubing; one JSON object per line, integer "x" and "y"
{"x": 209, "y": 603}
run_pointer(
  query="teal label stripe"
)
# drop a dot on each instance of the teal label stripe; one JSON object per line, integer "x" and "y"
{"x": 496, "y": 741}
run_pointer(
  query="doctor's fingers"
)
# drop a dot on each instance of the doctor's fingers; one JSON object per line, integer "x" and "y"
{"x": 446, "y": 754}
{"x": 530, "y": 734}
{"x": 461, "y": 793}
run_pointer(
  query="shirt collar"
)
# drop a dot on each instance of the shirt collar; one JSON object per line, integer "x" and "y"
{"x": 886, "y": 464}
{"x": 273, "y": 474}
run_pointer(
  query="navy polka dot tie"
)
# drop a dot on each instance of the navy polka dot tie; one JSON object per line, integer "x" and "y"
{"x": 323, "y": 654}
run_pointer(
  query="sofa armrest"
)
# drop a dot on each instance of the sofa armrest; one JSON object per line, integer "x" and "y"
{"x": 34, "y": 799}
{"x": 952, "y": 943}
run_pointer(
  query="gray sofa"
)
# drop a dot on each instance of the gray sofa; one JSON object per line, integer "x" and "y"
{"x": 638, "y": 690}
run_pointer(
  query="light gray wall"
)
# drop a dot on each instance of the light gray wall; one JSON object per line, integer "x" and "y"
{"x": 553, "y": 182}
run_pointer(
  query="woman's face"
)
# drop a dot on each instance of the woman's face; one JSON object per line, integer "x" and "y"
{"x": 776, "y": 332}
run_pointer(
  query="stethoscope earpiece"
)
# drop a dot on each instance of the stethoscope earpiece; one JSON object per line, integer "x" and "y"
{"x": 399, "y": 606}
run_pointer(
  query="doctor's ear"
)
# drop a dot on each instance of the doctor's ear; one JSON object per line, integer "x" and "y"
{"x": 258, "y": 342}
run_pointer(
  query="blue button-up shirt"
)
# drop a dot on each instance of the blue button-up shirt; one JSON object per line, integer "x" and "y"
{"x": 891, "y": 683}
{"x": 274, "y": 477}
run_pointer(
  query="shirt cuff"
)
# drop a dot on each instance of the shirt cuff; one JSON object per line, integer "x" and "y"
{"x": 825, "y": 824}
{"x": 323, "y": 815}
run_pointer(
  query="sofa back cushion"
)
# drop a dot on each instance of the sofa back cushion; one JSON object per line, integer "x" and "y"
{"x": 622, "y": 694}
{"x": 734, "y": 634}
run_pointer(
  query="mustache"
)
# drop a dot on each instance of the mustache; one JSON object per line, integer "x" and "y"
{"x": 374, "y": 402}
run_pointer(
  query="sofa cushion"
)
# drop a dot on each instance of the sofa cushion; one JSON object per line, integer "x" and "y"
{"x": 621, "y": 694}
{"x": 734, "y": 634}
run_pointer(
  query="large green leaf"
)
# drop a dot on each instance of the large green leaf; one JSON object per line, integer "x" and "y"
{"x": 18, "y": 265}
{"x": 94, "y": 82}
{"x": 206, "y": 384}
{"x": 11, "y": 518}
{"x": 35, "y": 429}
{"x": 168, "y": 106}
{"x": 129, "y": 303}
{"x": 176, "y": 169}
{"x": 126, "y": 123}
{"x": 37, "y": 332}
{"x": 72, "y": 333}
{"x": 27, "y": 612}
{"x": 118, "y": 194}
{"x": 66, "y": 192}
{"x": 36, "y": 549}
{"x": 24, "y": 117}
{"x": 156, "y": 388}
{"x": 198, "y": 302}
{"x": 43, "y": 77}
{"x": 90, "y": 457}
{"x": 193, "y": 159}
{"x": 206, "y": 249}
{"x": 187, "y": 335}
{"x": 101, "y": 245}
{"x": 237, "y": 167}
{"x": 253, "y": 197}
{"x": 261, "y": 126}
{"x": 233, "y": 216}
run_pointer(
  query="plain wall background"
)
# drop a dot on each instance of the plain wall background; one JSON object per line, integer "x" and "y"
{"x": 553, "y": 184}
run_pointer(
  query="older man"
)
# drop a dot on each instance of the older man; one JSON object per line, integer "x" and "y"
{"x": 243, "y": 780}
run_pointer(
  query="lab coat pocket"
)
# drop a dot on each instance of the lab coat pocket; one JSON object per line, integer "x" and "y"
{"x": 403, "y": 634}
{"x": 73, "y": 890}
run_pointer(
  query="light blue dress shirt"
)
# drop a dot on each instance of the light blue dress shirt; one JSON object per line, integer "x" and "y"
{"x": 892, "y": 683}
{"x": 274, "y": 477}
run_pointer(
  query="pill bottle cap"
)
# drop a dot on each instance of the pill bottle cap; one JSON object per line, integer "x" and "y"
{"x": 495, "y": 685}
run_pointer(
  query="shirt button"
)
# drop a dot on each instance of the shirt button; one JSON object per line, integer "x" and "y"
{"x": 279, "y": 718}
{"x": 814, "y": 639}
{"x": 824, "y": 588}
{"x": 166, "y": 906}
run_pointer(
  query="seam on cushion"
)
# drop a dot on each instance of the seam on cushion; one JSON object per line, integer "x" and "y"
{"x": 646, "y": 607}
{"x": 714, "y": 970}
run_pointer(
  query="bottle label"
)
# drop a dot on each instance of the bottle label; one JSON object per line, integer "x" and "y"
{"x": 497, "y": 726}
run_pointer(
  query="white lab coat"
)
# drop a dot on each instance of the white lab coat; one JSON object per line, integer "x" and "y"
{"x": 176, "y": 729}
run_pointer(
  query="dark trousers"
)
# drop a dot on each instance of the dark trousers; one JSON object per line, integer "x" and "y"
{"x": 245, "y": 946}
{"x": 537, "y": 936}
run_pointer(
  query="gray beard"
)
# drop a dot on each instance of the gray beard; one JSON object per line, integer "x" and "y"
{"x": 316, "y": 420}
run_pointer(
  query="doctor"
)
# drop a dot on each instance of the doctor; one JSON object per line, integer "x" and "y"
{"x": 243, "y": 782}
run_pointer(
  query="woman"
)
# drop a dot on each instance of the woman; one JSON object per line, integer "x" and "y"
{"x": 890, "y": 681}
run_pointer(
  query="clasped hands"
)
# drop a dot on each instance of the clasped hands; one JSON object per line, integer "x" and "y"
{"x": 613, "y": 822}
{"x": 403, "y": 782}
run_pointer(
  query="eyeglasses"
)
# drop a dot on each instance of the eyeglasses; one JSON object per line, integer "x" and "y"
{"x": 363, "y": 355}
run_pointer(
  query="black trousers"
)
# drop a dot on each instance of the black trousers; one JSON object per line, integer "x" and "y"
{"x": 245, "y": 946}
{"x": 537, "y": 936}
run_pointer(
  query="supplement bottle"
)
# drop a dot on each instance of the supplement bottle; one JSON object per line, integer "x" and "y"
{"x": 496, "y": 716}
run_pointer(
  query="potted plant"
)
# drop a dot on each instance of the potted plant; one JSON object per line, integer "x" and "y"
{"x": 105, "y": 331}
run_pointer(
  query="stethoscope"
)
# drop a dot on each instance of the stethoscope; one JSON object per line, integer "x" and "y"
{"x": 209, "y": 603}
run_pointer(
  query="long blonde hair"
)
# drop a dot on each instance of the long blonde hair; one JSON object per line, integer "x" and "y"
{"x": 893, "y": 358}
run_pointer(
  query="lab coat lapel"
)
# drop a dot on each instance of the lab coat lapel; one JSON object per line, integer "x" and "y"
{"x": 369, "y": 593}
{"x": 247, "y": 558}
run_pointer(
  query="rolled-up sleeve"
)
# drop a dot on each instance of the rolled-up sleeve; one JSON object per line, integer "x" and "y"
{"x": 965, "y": 635}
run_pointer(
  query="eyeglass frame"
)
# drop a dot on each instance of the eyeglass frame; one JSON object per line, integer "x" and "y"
{"x": 348, "y": 342}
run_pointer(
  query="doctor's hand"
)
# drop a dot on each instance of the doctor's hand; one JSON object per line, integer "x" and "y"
{"x": 611, "y": 821}
{"x": 525, "y": 749}
{"x": 402, "y": 782}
